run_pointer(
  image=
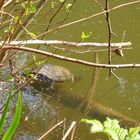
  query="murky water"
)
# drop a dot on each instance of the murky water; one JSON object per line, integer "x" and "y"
{"x": 44, "y": 108}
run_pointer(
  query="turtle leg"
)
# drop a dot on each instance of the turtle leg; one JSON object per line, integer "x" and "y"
{"x": 52, "y": 86}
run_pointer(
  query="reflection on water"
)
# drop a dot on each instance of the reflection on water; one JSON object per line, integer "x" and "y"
{"x": 38, "y": 115}
{"x": 136, "y": 86}
{"x": 122, "y": 85}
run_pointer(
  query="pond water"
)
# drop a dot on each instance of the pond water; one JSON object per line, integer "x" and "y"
{"x": 43, "y": 108}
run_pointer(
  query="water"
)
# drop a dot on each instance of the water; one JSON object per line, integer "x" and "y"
{"x": 64, "y": 101}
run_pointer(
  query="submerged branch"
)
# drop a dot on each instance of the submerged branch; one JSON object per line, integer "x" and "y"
{"x": 61, "y": 42}
{"x": 97, "y": 109}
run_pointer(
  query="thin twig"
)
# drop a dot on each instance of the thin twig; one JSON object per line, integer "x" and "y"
{"x": 73, "y": 59}
{"x": 51, "y": 129}
{"x": 69, "y": 130}
{"x": 109, "y": 34}
{"x": 5, "y": 13}
{"x": 105, "y": 15}
{"x": 89, "y": 17}
{"x": 27, "y": 32}
{"x": 53, "y": 16}
{"x": 29, "y": 19}
{"x": 72, "y": 134}
{"x": 83, "y": 50}
{"x": 7, "y": 3}
{"x": 1, "y": 3}
{"x": 69, "y": 11}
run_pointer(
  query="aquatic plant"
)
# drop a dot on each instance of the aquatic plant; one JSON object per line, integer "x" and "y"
{"x": 112, "y": 129}
{"x": 16, "y": 118}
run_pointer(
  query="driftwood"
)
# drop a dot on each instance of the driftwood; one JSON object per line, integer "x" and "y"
{"x": 61, "y": 42}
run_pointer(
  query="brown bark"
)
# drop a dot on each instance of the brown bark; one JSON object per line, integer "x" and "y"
{"x": 1, "y": 3}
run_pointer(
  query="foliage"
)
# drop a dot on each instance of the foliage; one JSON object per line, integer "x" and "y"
{"x": 29, "y": 7}
{"x": 9, "y": 29}
{"x": 13, "y": 125}
{"x": 3, "y": 117}
{"x": 9, "y": 78}
{"x": 53, "y": 4}
{"x": 86, "y": 35}
{"x": 68, "y": 6}
{"x": 113, "y": 130}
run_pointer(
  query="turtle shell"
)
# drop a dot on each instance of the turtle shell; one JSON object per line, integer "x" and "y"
{"x": 54, "y": 73}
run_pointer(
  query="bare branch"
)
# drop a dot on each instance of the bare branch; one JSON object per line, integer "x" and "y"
{"x": 72, "y": 59}
{"x": 1, "y": 3}
{"x": 7, "y": 3}
{"x": 61, "y": 42}
{"x": 2, "y": 12}
{"x": 109, "y": 33}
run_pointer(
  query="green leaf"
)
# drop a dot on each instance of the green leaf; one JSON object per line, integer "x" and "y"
{"x": 113, "y": 124}
{"x": 9, "y": 29}
{"x": 6, "y": 30}
{"x": 53, "y": 4}
{"x": 96, "y": 127}
{"x": 11, "y": 129}
{"x": 133, "y": 134}
{"x": 62, "y": 0}
{"x": 111, "y": 134}
{"x": 5, "y": 110}
{"x": 87, "y": 121}
{"x": 16, "y": 19}
{"x": 9, "y": 78}
{"x": 40, "y": 62}
{"x": 86, "y": 35}
{"x": 29, "y": 7}
{"x": 112, "y": 129}
{"x": 27, "y": 74}
{"x": 68, "y": 6}
{"x": 121, "y": 133}
{"x": 32, "y": 35}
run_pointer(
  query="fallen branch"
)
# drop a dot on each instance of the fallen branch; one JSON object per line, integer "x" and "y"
{"x": 72, "y": 59}
{"x": 60, "y": 42}
{"x": 97, "y": 109}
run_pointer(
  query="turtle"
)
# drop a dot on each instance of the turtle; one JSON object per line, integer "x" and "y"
{"x": 53, "y": 73}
